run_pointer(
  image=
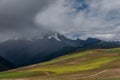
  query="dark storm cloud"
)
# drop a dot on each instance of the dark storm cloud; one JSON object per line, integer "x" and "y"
{"x": 15, "y": 14}
{"x": 16, "y": 17}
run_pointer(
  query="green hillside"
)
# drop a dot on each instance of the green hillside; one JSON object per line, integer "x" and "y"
{"x": 100, "y": 64}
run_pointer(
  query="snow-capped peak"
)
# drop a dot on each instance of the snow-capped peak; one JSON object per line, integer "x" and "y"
{"x": 49, "y": 37}
{"x": 55, "y": 35}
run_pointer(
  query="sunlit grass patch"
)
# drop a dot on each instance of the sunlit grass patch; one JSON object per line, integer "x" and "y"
{"x": 89, "y": 65}
{"x": 16, "y": 74}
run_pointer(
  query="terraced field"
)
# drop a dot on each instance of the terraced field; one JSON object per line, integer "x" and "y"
{"x": 100, "y": 64}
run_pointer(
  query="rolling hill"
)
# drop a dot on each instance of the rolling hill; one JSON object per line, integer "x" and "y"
{"x": 96, "y": 64}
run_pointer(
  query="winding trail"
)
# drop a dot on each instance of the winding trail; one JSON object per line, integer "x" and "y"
{"x": 95, "y": 74}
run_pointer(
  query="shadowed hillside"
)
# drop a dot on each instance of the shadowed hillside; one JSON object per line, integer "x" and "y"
{"x": 5, "y": 64}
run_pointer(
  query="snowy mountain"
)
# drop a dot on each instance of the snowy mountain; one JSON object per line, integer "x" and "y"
{"x": 24, "y": 52}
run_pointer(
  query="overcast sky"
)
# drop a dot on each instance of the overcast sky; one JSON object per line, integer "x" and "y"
{"x": 31, "y": 18}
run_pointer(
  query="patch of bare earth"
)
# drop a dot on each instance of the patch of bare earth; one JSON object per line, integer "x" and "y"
{"x": 108, "y": 73}
{"x": 111, "y": 73}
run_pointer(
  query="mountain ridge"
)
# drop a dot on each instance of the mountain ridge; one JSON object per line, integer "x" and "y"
{"x": 24, "y": 52}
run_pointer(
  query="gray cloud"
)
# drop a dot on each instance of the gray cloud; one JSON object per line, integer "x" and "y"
{"x": 93, "y": 18}
{"x": 31, "y": 18}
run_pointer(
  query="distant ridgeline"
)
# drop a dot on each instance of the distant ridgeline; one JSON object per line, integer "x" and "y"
{"x": 24, "y": 52}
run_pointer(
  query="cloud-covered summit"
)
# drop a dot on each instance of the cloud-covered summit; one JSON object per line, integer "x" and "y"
{"x": 89, "y": 18}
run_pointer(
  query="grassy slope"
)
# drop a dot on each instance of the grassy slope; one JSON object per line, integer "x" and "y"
{"x": 70, "y": 67}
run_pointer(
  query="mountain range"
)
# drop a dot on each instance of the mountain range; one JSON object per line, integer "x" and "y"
{"x": 22, "y": 52}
